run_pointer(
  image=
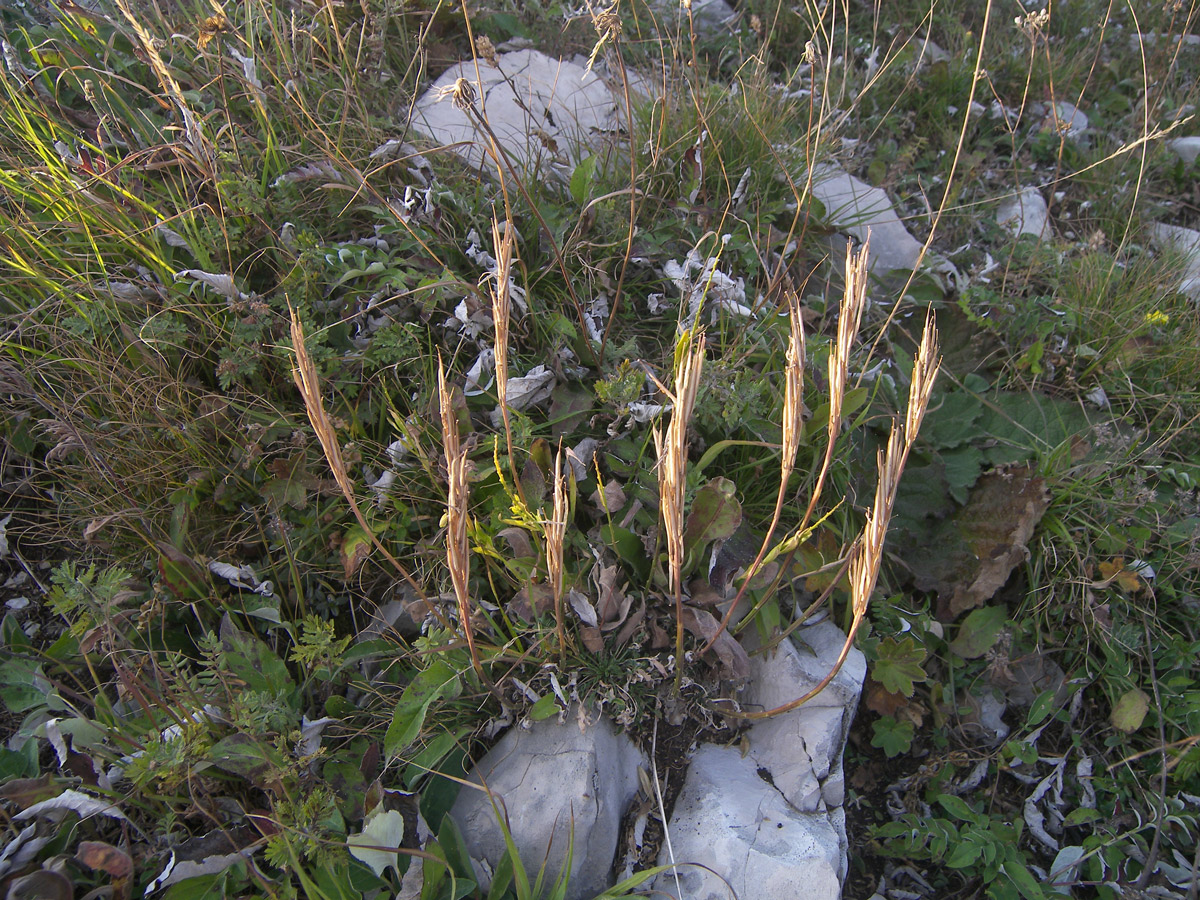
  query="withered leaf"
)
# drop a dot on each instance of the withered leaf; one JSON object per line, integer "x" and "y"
{"x": 591, "y": 638}
{"x": 704, "y": 625}
{"x": 612, "y": 605}
{"x": 974, "y": 551}
{"x": 104, "y": 857}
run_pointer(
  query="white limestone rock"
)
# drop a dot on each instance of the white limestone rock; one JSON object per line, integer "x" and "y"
{"x": 1186, "y": 242}
{"x": 1186, "y": 148}
{"x": 543, "y": 111}
{"x": 856, "y": 207}
{"x": 1025, "y": 213}
{"x": 549, "y": 779}
{"x": 1068, "y": 120}
{"x": 742, "y": 829}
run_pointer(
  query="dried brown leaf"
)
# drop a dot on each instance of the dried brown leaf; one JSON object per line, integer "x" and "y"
{"x": 104, "y": 857}
{"x": 704, "y": 625}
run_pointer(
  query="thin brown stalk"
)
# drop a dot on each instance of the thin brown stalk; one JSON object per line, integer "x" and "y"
{"x": 793, "y": 424}
{"x": 501, "y": 315}
{"x": 457, "y": 550}
{"x": 672, "y": 475}
{"x": 864, "y": 567}
{"x": 556, "y": 529}
{"x": 305, "y": 375}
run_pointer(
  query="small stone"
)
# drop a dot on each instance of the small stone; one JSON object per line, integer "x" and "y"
{"x": 1186, "y": 148}
{"x": 860, "y": 209}
{"x": 1185, "y": 242}
{"x": 1025, "y": 213}
{"x": 1068, "y": 120}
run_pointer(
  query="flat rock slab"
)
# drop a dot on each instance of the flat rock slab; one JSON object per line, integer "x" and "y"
{"x": 856, "y": 207}
{"x": 801, "y": 750}
{"x": 743, "y": 829}
{"x": 544, "y": 112}
{"x": 551, "y": 779}
{"x": 1025, "y": 213}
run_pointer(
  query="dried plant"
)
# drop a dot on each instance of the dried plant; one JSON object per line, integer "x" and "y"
{"x": 864, "y": 566}
{"x": 555, "y": 529}
{"x": 672, "y": 473}
{"x": 304, "y": 373}
{"x": 501, "y": 314}
{"x": 854, "y": 301}
{"x": 457, "y": 549}
{"x": 793, "y": 425}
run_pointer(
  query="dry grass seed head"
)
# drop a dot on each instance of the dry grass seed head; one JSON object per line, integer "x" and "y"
{"x": 502, "y": 305}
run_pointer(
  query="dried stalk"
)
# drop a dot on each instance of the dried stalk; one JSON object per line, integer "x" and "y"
{"x": 864, "y": 567}
{"x": 854, "y": 301}
{"x": 672, "y": 476}
{"x": 556, "y": 529}
{"x": 457, "y": 550}
{"x": 305, "y": 375}
{"x": 501, "y": 314}
{"x": 793, "y": 424}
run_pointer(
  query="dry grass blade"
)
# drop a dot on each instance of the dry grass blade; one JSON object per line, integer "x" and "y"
{"x": 864, "y": 567}
{"x": 556, "y": 530}
{"x": 501, "y": 316}
{"x": 672, "y": 475}
{"x": 457, "y": 549}
{"x": 305, "y": 375}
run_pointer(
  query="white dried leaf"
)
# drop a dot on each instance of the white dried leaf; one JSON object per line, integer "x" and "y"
{"x": 580, "y": 457}
{"x": 54, "y": 736}
{"x": 643, "y": 412}
{"x": 176, "y": 871}
{"x": 484, "y": 364}
{"x": 531, "y": 389}
{"x": 214, "y": 281}
{"x": 310, "y": 735}
{"x": 172, "y": 237}
{"x": 310, "y": 172}
{"x": 249, "y": 69}
{"x": 583, "y": 608}
{"x": 4, "y": 551}
{"x": 243, "y": 577}
{"x": 70, "y": 801}
{"x": 22, "y": 849}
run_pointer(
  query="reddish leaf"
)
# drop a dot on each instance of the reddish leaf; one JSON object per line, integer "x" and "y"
{"x": 104, "y": 857}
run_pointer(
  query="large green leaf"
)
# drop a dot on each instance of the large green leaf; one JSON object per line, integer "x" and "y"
{"x": 437, "y": 681}
{"x": 252, "y": 662}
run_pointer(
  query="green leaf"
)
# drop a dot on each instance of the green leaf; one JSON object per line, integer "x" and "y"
{"x": 22, "y": 685}
{"x": 892, "y": 737}
{"x": 1130, "y": 710}
{"x": 1042, "y": 707}
{"x": 544, "y": 708}
{"x": 715, "y": 515}
{"x": 964, "y": 855}
{"x": 898, "y": 665}
{"x": 437, "y": 681}
{"x": 1020, "y": 876}
{"x": 254, "y": 663}
{"x": 951, "y": 421}
{"x": 979, "y": 632}
{"x": 957, "y": 808}
{"x": 382, "y": 830}
{"x": 257, "y": 762}
{"x": 581, "y": 179}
